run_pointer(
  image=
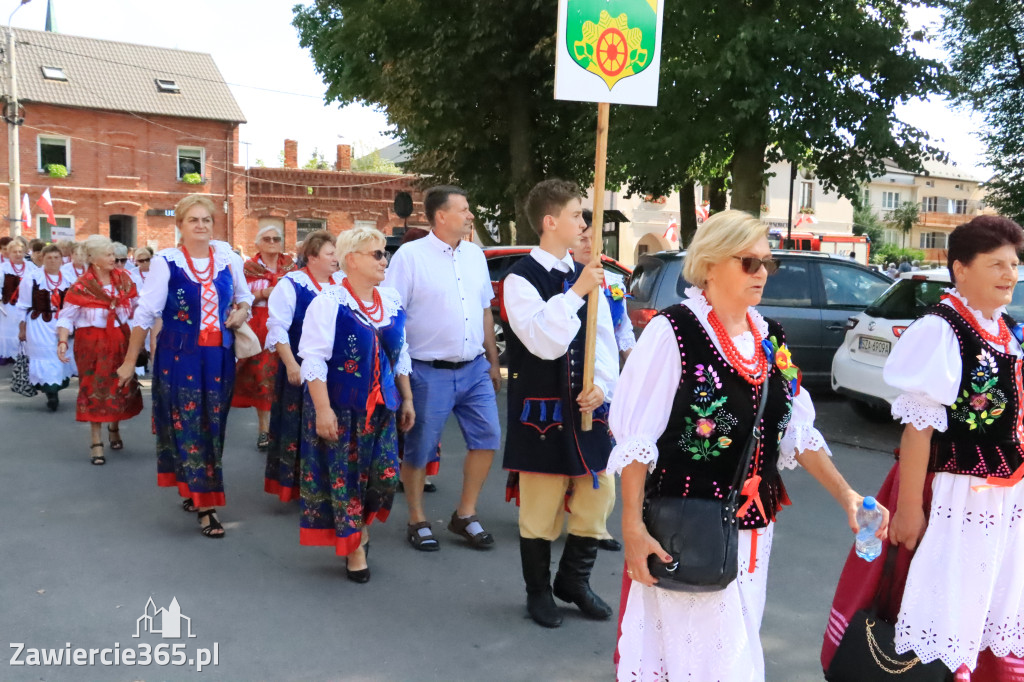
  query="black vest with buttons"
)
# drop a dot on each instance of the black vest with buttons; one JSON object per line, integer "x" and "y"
{"x": 711, "y": 420}
{"x": 543, "y": 432}
{"x": 984, "y": 423}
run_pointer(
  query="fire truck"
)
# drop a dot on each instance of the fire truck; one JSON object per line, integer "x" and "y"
{"x": 842, "y": 244}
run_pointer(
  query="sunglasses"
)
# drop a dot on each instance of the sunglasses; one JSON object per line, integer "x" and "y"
{"x": 140, "y": 261}
{"x": 120, "y": 260}
{"x": 752, "y": 265}
{"x": 379, "y": 254}
{"x": 272, "y": 240}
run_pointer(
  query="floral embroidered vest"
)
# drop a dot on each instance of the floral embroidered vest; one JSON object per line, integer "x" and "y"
{"x": 303, "y": 297}
{"x": 183, "y": 311}
{"x": 350, "y": 370}
{"x": 712, "y": 418}
{"x": 984, "y": 425}
{"x": 544, "y": 420}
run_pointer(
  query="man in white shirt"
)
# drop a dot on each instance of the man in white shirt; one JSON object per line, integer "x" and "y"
{"x": 446, "y": 292}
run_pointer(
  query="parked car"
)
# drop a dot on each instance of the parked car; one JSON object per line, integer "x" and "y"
{"x": 812, "y": 296}
{"x": 500, "y": 260}
{"x": 871, "y": 334}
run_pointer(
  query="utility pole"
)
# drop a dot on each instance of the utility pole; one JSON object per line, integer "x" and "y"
{"x": 13, "y": 117}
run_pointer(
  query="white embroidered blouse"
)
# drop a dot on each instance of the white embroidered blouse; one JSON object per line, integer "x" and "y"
{"x": 281, "y": 305}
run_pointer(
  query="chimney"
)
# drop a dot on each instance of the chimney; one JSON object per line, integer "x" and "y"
{"x": 291, "y": 154}
{"x": 344, "y": 161}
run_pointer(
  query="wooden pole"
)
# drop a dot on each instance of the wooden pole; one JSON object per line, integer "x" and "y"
{"x": 597, "y": 231}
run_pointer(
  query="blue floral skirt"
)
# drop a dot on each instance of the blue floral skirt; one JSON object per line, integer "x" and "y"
{"x": 191, "y": 398}
{"x": 282, "y": 473}
{"x": 350, "y": 483}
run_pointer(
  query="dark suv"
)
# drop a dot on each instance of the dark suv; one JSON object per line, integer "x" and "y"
{"x": 811, "y": 296}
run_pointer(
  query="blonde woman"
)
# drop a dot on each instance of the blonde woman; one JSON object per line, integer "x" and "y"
{"x": 683, "y": 410}
{"x": 12, "y": 271}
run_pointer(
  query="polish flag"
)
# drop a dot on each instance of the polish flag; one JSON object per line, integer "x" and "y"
{"x": 47, "y": 206}
{"x": 26, "y": 210}
{"x": 806, "y": 218}
{"x": 672, "y": 233}
{"x": 702, "y": 212}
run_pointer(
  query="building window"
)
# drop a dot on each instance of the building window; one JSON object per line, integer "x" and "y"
{"x": 891, "y": 236}
{"x": 54, "y": 151}
{"x": 890, "y": 200}
{"x": 930, "y": 205}
{"x": 929, "y": 183}
{"x": 959, "y": 206}
{"x": 53, "y": 73}
{"x": 958, "y": 186}
{"x": 806, "y": 194}
{"x": 64, "y": 229}
{"x": 304, "y": 227}
{"x": 190, "y": 160}
{"x": 933, "y": 240}
{"x": 166, "y": 85}
{"x": 865, "y": 197}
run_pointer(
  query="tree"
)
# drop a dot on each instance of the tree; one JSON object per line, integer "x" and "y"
{"x": 317, "y": 162}
{"x": 985, "y": 39}
{"x": 373, "y": 163}
{"x": 867, "y": 223}
{"x": 903, "y": 218}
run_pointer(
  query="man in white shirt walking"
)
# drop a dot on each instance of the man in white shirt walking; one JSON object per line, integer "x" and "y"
{"x": 446, "y": 291}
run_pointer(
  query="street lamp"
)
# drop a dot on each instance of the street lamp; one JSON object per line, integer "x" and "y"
{"x": 13, "y": 118}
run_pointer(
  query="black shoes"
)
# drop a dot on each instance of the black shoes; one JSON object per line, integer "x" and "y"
{"x": 362, "y": 575}
{"x": 572, "y": 582}
{"x": 52, "y": 402}
{"x": 536, "y": 556}
{"x": 609, "y": 545}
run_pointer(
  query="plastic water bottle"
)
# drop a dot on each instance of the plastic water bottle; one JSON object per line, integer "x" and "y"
{"x": 869, "y": 519}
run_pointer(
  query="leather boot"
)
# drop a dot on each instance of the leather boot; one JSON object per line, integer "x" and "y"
{"x": 572, "y": 582}
{"x": 536, "y": 557}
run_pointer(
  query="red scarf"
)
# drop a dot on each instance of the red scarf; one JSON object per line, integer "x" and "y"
{"x": 88, "y": 292}
{"x": 255, "y": 270}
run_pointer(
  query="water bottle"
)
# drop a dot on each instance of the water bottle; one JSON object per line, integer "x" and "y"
{"x": 869, "y": 519}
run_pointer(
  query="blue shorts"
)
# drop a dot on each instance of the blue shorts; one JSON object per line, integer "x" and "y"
{"x": 436, "y": 393}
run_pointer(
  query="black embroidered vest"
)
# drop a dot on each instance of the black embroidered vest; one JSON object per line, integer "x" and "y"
{"x": 984, "y": 425}
{"x": 543, "y": 433}
{"x": 42, "y": 305}
{"x": 711, "y": 421}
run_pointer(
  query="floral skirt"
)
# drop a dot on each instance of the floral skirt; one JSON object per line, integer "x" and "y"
{"x": 100, "y": 351}
{"x": 282, "y": 473}
{"x": 349, "y": 483}
{"x": 254, "y": 377}
{"x": 191, "y": 399}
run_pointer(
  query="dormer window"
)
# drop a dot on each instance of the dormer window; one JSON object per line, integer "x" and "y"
{"x": 165, "y": 85}
{"x": 53, "y": 73}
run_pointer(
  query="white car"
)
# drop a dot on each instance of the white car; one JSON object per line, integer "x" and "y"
{"x": 870, "y": 336}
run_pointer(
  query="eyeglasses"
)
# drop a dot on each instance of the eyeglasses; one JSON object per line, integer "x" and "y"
{"x": 140, "y": 261}
{"x": 272, "y": 240}
{"x": 120, "y": 260}
{"x": 379, "y": 254}
{"x": 752, "y": 265}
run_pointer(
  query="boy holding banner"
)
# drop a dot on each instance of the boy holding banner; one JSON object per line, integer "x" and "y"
{"x": 546, "y": 445}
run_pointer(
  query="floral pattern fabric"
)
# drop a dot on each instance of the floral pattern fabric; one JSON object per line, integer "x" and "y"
{"x": 255, "y": 376}
{"x": 980, "y": 405}
{"x": 283, "y": 467}
{"x": 99, "y": 352}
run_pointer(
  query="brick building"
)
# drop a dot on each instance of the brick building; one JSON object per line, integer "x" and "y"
{"x": 138, "y": 127}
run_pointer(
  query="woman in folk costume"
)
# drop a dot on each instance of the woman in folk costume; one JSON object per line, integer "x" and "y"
{"x": 288, "y": 305}
{"x": 143, "y": 256}
{"x": 76, "y": 267}
{"x": 12, "y": 270}
{"x": 254, "y": 377}
{"x": 683, "y": 411}
{"x": 958, "y": 505}
{"x": 39, "y": 300}
{"x": 356, "y": 366}
{"x": 97, "y": 308}
{"x": 198, "y": 291}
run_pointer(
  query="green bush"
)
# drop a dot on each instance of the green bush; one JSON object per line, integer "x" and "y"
{"x": 892, "y": 253}
{"x": 56, "y": 170}
{"x": 192, "y": 178}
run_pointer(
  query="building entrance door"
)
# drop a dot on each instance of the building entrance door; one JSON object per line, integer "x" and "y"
{"x": 122, "y": 229}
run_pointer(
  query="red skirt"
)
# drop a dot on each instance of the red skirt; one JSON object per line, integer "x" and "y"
{"x": 254, "y": 377}
{"x": 99, "y": 351}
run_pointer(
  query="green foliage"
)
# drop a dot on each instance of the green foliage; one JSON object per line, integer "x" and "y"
{"x": 373, "y": 163}
{"x": 893, "y": 253}
{"x": 985, "y": 39}
{"x": 192, "y": 179}
{"x": 866, "y": 222}
{"x": 317, "y": 162}
{"x": 57, "y": 170}
{"x": 903, "y": 218}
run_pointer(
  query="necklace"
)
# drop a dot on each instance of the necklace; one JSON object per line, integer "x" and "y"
{"x": 16, "y": 270}
{"x": 313, "y": 279}
{"x": 1003, "y": 338}
{"x": 376, "y": 311}
{"x": 207, "y": 272}
{"x": 78, "y": 273}
{"x": 54, "y": 288}
{"x": 753, "y": 371}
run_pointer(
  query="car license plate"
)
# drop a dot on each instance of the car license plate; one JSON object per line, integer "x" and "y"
{"x": 874, "y": 346}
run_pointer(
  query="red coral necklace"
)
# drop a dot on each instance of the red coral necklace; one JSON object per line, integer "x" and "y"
{"x": 1003, "y": 338}
{"x": 376, "y": 311}
{"x": 753, "y": 371}
{"x": 201, "y": 276}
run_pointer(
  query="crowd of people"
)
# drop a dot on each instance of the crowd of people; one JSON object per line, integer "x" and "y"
{"x": 361, "y": 363}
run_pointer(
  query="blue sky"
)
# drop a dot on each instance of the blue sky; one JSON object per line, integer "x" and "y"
{"x": 254, "y": 44}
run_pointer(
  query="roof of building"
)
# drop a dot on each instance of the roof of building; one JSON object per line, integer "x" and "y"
{"x": 935, "y": 169}
{"x": 115, "y": 76}
{"x": 395, "y": 152}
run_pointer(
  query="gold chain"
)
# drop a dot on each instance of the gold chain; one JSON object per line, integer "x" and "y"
{"x": 899, "y": 668}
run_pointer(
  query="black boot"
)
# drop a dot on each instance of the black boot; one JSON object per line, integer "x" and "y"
{"x": 536, "y": 556}
{"x": 572, "y": 582}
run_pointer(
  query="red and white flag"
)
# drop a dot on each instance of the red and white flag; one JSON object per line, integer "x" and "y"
{"x": 702, "y": 212}
{"x": 805, "y": 218}
{"x": 47, "y": 206}
{"x": 672, "y": 233}
{"x": 26, "y": 211}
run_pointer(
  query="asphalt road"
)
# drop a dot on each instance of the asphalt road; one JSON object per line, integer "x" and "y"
{"x": 83, "y": 548}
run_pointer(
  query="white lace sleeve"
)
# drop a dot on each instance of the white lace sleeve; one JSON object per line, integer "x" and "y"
{"x": 624, "y": 337}
{"x": 317, "y": 342}
{"x": 643, "y": 397}
{"x": 281, "y": 312}
{"x": 392, "y": 301}
{"x": 920, "y": 412}
{"x": 925, "y": 365}
{"x": 314, "y": 369}
{"x": 800, "y": 435}
{"x": 404, "y": 365}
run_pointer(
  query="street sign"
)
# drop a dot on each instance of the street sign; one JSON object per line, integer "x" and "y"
{"x": 608, "y": 51}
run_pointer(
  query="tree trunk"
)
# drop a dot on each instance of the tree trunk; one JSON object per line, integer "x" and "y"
{"x": 716, "y": 195}
{"x": 687, "y": 214}
{"x": 521, "y": 167}
{"x": 748, "y": 168}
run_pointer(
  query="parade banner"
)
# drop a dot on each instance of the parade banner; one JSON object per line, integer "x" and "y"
{"x": 609, "y": 51}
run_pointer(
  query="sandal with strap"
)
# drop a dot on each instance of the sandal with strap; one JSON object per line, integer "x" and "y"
{"x": 100, "y": 458}
{"x": 115, "y": 438}
{"x": 263, "y": 441}
{"x": 213, "y": 525}
{"x": 188, "y": 505}
{"x": 424, "y": 543}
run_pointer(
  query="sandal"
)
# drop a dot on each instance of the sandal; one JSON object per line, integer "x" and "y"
{"x": 98, "y": 459}
{"x": 213, "y": 525}
{"x": 424, "y": 543}
{"x": 263, "y": 441}
{"x": 115, "y": 438}
{"x": 460, "y": 526}
{"x": 187, "y": 505}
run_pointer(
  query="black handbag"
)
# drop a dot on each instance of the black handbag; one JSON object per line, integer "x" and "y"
{"x": 701, "y": 535}
{"x": 867, "y": 651}
{"x": 20, "y": 383}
